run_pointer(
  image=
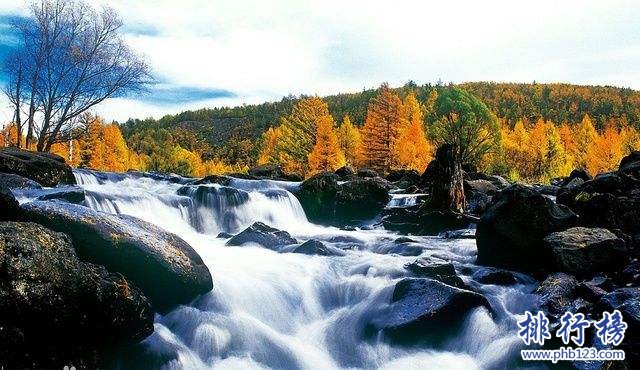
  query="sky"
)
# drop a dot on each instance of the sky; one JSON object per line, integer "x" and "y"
{"x": 209, "y": 53}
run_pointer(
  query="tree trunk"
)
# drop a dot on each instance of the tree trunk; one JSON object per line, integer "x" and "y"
{"x": 444, "y": 180}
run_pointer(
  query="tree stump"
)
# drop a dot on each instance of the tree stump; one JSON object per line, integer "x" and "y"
{"x": 444, "y": 181}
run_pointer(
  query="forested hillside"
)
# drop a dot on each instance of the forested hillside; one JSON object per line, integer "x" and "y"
{"x": 532, "y": 132}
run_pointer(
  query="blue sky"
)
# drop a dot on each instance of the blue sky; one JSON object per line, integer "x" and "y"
{"x": 213, "y": 53}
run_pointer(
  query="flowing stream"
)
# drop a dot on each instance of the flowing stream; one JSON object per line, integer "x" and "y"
{"x": 294, "y": 311}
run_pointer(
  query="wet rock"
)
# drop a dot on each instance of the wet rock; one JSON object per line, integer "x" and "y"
{"x": 367, "y": 172}
{"x": 479, "y": 186}
{"x": 423, "y": 307}
{"x": 56, "y": 310}
{"x": 510, "y": 233}
{"x": 610, "y": 200}
{"x": 547, "y": 189}
{"x": 317, "y": 248}
{"x": 577, "y": 174}
{"x": 584, "y": 251}
{"x": 437, "y": 270}
{"x": 327, "y": 202}
{"x": 224, "y": 235}
{"x": 422, "y": 220}
{"x": 589, "y": 291}
{"x": 557, "y": 295}
{"x": 213, "y": 179}
{"x": 490, "y": 275}
{"x": 404, "y": 179}
{"x": 630, "y": 165}
{"x": 44, "y": 168}
{"x": 262, "y": 234}
{"x": 459, "y": 234}
{"x": 627, "y": 301}
{"x": 273, "y": 172}
{"x": 631, "y": 273}
{"x": 574, "y": 183}
{"x": 346, "y": 173}
{"x": 406, "y": 249}
{"x": 9, "y": 205}
{"x": 13, "y": 181}
{"x": 70, "y": 195}
{"x": 160, "y": 263}
{"x": 404, "y": 239}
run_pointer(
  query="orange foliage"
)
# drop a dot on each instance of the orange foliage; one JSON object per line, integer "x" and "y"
{"x": 326, "y": 154}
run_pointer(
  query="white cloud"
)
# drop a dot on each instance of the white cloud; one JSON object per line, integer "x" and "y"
{"x": 267, "y": 49}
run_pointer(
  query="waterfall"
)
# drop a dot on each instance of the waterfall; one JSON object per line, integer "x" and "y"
{"x": 286, "y": 310}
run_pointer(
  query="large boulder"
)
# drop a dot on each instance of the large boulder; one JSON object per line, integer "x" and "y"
{"x": 56, "y": 310}
{"x": 437, "y": 270}
{"x": 404, "y": 179}
{"x": 327, "y": 201}
{"x": 9, "y": 205}
{"x": 273, "y": 172}
{"x": 45, "y": 168}
{"x": 346, "y": 173}
{"x": 160, "y": 263}
{"x": 13, "y": 181}
{"x": 317, "y": 248}
{"x": 583, "y": 251}
{"x": 630, "y": 165}
{"x": 610, "y": 200}
{"x": 423, "y": 220}
{"x": 424, "y": 307}
{"x": 557, "y": 295}
{"x": 511, "y": 231}
{"x": 265, "y": 235}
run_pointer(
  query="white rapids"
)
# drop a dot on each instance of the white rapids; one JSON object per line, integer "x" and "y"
{"x": 271, "y": 310}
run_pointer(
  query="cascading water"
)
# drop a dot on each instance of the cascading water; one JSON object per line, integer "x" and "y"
{"x": 293, "y": 311}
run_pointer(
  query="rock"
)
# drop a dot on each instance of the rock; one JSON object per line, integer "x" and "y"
{"x": 547, "y": 189}
{"x": 56, "y": 310}
{"x": 213, "y": 179}
{"x": 262, "y": 234}
{"x": 44, "y": 168}
{"x": 574, "y": 183}
{"x": 590, "y": 292}
{"x": 443, "y": 179}
{"x": 490, "y": 275}
{"x": 9, "y": 205}
{"x": 273, "y": 172}
{"x": 405, "y": 249}
{"x": 627, "y": 301}
{"x": 459, "y": 234}
{"x": 479, "y": 186}
{"x": 510, "y": 233}
{"x": 584, "y": 251}
{"x": 477, "y": 203}
{"x": 13, "y": 181}
{"x": 367, "y": 172}
{"x": 224, "y": 235}
{"x": 70, "y": 195}
{"x": 317, "y": 248}
{"x": 577, "y": 174}
{"x": 423, "y": 307}
{"x": 404, "y": 179}
{"x": 630, "y": 165}
{"x": 422, "y": 220}
{"x": 404, "y": 239}
{"x": 631, "y": 273}
{"x": 161, "y": 264}
{"x": 557, "y": 295}
{"x": 327, "y": 202}
{"x": 610, "y": 200}
{"x": 437, "y": 270}
{"x": 346, "y": 173}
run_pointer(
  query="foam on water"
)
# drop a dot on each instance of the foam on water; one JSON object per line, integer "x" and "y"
{"x": 292, "y": 311}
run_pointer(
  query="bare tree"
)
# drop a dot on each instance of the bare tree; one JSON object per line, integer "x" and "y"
{"x": 72, "y": 58}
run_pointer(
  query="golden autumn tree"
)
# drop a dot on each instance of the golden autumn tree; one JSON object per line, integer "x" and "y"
{"x": 412, "y": 149}
{"x": 568, "y": 140}
{"x": 382, "y": 129}
{"x": 350, "y": 142}
{"x": 268, "y": 152}
{"x": 605, "y": 152}
{"x": 116, "y": 157}
{"x": 516, "y": 151}
{"x": 585, "y": 135}
{"x": 326, "y": 154}
{"x": 297, "y": 133}
{"x": 630, "y": 139}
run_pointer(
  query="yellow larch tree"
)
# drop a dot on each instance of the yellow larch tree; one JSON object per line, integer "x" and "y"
{"x": 350, "y": 142}
{"x": 382, "y": 129}
{"x": 268, "y": 152}
{"x": 585, "y": 135}
{"x": 605, "y": 152}
{"x": 326, "y": 154}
